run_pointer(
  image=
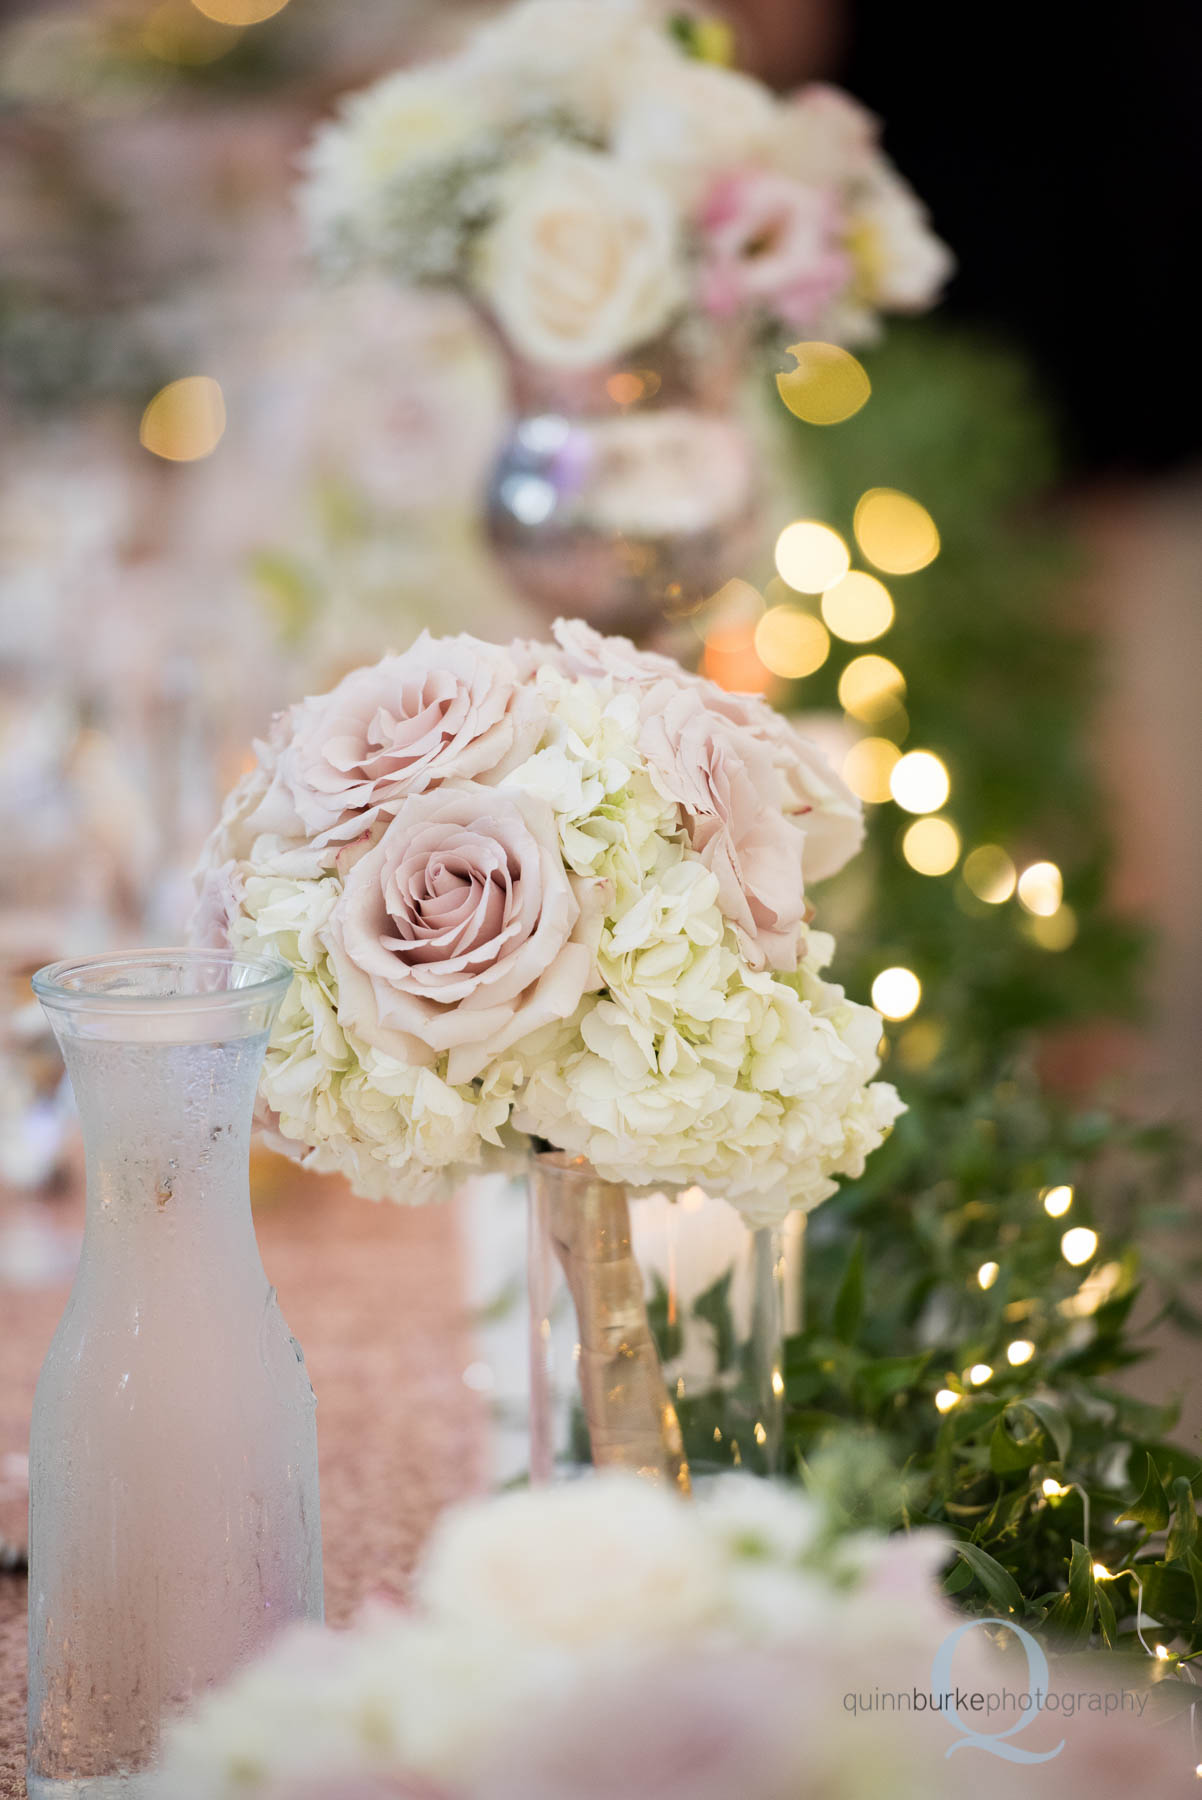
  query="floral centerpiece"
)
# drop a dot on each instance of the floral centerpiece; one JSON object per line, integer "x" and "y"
{"x": 553, "y": 894}
{"x": 626, "y": 217}
{"x": 600, "y": 1641}
{"x": 591, "y": 183}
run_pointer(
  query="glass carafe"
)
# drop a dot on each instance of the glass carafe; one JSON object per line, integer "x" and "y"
{"x": 174, "y": 1524}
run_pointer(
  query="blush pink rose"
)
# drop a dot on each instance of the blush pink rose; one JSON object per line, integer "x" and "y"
{"x": 725, "y": 782}
{"x": 807, "y": 788}
{"x": 448, "y": 708}
{"x": 460, "y": 931}
{"x": 772, "y": 243}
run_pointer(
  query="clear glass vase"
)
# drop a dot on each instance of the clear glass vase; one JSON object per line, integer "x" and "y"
{"x": 625, "y": 493}
{"x": 174, "y": 1522}
{"x": 656, "y": 1329}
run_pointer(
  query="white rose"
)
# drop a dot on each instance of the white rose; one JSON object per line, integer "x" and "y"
{"x": 583, "y": 261}
{"x": 682, "y": 121}
{"x": 611, "y": 1560}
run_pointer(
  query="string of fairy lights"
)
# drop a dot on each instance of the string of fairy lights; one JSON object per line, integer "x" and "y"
{"x": 896, "y": 536}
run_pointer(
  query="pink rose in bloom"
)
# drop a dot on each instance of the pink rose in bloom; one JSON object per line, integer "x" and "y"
{"x": 581, "y": 651}
{"x": 774, "y": 243}
{"x": 449, "y": 707}
{"x": 726, "y": 783}
{"x": 460, "y": 930}
{"x": 814, "y": 795}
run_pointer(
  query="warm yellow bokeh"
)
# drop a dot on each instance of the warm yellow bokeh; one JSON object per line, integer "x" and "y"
{"x": 919, "y": 782}
{"x": 827, "y": 386}
{"x": 987, "y": 1274}
{"x": 1040, "y": 889}
{"x": 871, "y": 687}
{"x": 185, "y": 419}
{"x": 1019, "y": 1352}
{"x": 990, "y": 873}
{"x": 791, "y": 643}
{"x": 239, "y": 12}
{"x": 1053, "y": 931}
{"x": 858, "y": 608}
{"x": 896, "y": 993}
{"x": 931, "y": 846}
{"x": 868, "y": 766}
{"x": 895, "y": 533}
{"x": 1079, "y": 1245}
{"x": 811, "y": 557}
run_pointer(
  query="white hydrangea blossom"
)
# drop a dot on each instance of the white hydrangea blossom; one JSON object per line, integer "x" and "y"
{"x": 669, "y": 1060}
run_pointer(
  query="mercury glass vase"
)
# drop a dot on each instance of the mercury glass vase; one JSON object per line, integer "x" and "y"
{"x": 174, "y": 1523}
{"x": 656, "y": 1329}
{"x": 625, "y": 493}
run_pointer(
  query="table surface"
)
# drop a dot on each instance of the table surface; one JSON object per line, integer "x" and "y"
{"x": 373, "y": 1294}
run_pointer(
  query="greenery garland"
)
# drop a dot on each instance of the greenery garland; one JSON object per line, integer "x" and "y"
{"x": 964, "y": 1372}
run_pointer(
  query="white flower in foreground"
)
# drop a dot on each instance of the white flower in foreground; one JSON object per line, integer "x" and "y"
{"x": 583, "y": 261}
{"x": 606, "y": 1561}
{"x": 366, "y": 170}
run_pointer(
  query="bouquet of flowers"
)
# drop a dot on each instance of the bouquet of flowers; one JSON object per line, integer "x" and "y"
{"x": 592, "y": 184}
{"x": 551, "y": 892}
{"x": 600, "y": 1640}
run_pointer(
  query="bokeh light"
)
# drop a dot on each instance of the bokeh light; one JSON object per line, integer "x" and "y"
{"x": 1057, "y": 1200}
{"x": 868, "y": 766}
{"x": 919, "y": 782}
{"x": 987, "y": 1274}
{"x": 990, "y": 873}
{"x": 979, "y": 1374}
{"x": 945, "y": 1399}
{"x": 931, "y": 846}
{"x": 731, "y": 660}
{"x": 1056, "y": 931}
{"x": 896, "y": 993}
{"x": 185, "y": 419}
{"x": 1040, "y": 889}
{"x": 239, "y": 12}
{"x": 791, "y": 643}
{"x": 896, "y": 534}
{"x": 1078, "y": 1245}
{"x": 871, "y": 687}
{"x": 827, "y": 386}
{"x": 858, "y": 608}
{"x": 1019, "y": 1352}
{"x": 811, "y": 557}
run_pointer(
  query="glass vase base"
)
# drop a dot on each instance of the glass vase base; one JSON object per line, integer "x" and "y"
{"x": 92, "y": 1787}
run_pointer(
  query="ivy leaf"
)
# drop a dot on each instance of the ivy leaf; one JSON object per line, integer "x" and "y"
{"x": 1054, "y": 1423}
{"x": 1107, "y": 1623}
{"x": 849, "y": 1301}
{"x": 1152, "y": 1508}
{"x": 997, "y": 1582}
{"x": 1006, "y": 1454}
{"x": 1184, "y": 1535}
{"x": 1071, "y": 1619}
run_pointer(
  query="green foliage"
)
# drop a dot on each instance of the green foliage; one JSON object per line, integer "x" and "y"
{"x": 895, "y": 1307}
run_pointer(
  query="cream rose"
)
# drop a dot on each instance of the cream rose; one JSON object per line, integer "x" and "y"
{"x": 583, "y": 261}
{"x": 447, "y": 708}
{"x": 727, "y": 785}
{"x": 460, "y": 931}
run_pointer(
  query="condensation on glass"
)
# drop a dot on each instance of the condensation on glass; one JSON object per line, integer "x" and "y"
{"x": 174, "y": 1523}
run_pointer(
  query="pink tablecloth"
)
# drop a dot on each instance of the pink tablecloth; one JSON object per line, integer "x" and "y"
{"x": 372, "y": 1292}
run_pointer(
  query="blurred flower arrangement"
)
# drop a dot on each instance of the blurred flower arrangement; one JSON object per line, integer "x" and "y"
{"x": 602, "y": 1639}
{"x": 592, "y": 184}
{"x": 553, "y": 890}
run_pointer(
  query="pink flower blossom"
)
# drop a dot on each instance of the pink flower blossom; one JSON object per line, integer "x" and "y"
{"x": 460, "y": 930}
{"x": 773, "y": 243}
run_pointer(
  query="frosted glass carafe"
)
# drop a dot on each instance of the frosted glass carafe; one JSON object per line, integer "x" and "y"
{"x": 174, "y": 1524}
